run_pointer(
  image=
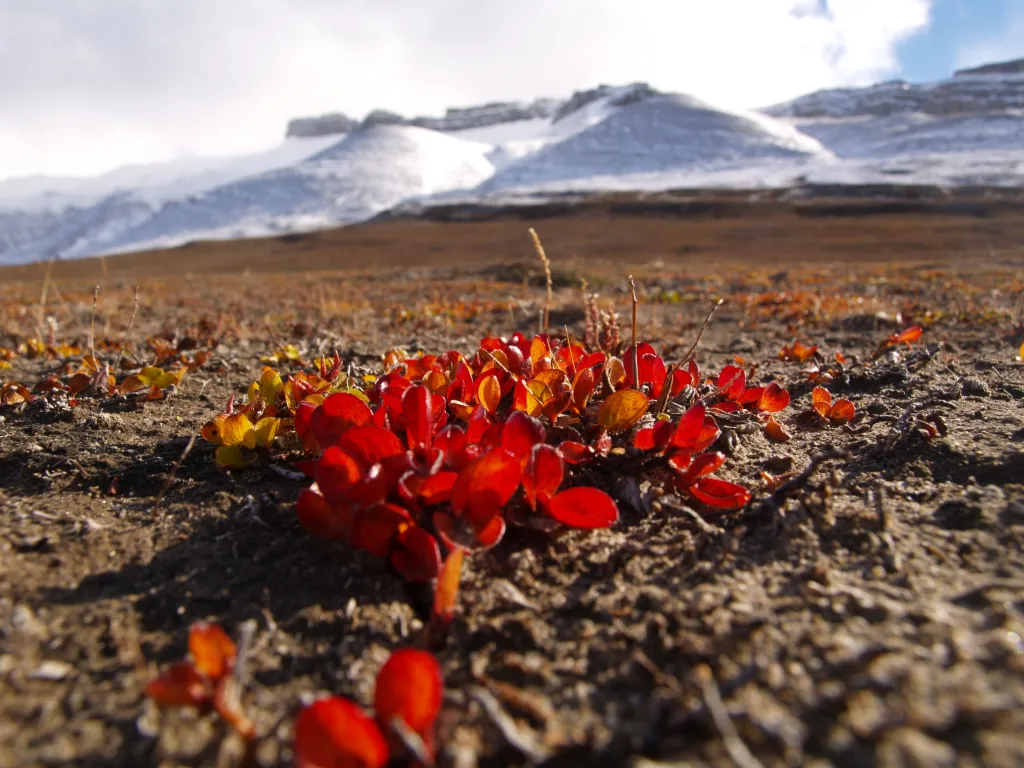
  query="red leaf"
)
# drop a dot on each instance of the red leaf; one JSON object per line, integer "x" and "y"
{"x": 486, "y": 485}
{"x": 627, "y": 359}
{"x": 478, "y": 424}
{"x": 335, "y": 733}
{"x": 458, "y": 532}
{"x": 374, "y": 529}
{"x": 303, "y": 416}
{"x": 521, "y": 433}
{"x": 543, "y": 475}
{"x": 680, "y": 460}
{"x": 653, "y": 372}
{"x": 179, "y": 686}
{"x": 680, "y": 380}
{"x": 691, "y": 423}
{"x": 726, "y": 406}
{"x": 569, "y": 358}
{"x": 701, "y": 465}
{"x": 583, "y": 387}
{"x": 732, "y": 381}
{"x": 417, "y": 556}
{"x": 427, "y": 490}
{"x": 450, "y": 441}
{"x": 583, "y": 507}
{"x": 708, "y": 434}
{"x": 371, "y": 444}
{"x": 418, "y": 408}
{"x": 337, "y": 413}
{"x": 323, "y": 519}
{"x": 719, "y": 493}
{"x": 575, "y": 452}
{"x": 336, "y": 473}
{"x": 751, "y": 395}
{"x": 380, "y": 481}
{"x": 654, "y": 438}
{"x": 409, "y": 687}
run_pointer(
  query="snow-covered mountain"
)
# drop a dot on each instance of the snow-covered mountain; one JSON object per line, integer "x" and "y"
{"x": 967, "y": 129}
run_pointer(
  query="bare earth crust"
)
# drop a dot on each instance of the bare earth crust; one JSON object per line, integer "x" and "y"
{"x": 871, "y": 616}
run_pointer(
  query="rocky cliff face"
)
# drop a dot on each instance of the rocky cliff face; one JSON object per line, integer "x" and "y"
{"x": 620, "y": 97}
{"x": 992, "y": 88}
{"x": 324, "y": 125}
{"x": 455, "y": 119}
{"x": 1014, "y": 67}
{"x": 461, "y": 118}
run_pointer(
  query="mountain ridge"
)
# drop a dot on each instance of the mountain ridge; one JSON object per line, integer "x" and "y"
{"x": 964, "y": 130}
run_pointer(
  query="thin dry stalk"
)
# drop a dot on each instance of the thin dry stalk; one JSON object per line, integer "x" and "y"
{"x": 636, "y": 357}
{"x": 704, "y": 327}
{"x": 42, "y": 298}
{"x": 128, "y": 330}
{"x": 547, "y": 276}
{"x": 174, "y": 471}
{"x": 92, "y": 323}
{"x": 738, "y": 751}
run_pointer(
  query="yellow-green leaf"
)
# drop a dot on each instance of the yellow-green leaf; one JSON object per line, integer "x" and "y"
{"x": 234, "y": 457}
{"x": 266, "y": 430}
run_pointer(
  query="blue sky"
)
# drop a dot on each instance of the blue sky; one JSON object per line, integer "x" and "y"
{"x": 963, "y": 33}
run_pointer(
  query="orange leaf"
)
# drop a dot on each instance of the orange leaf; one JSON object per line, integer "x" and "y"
{"x": 335, "y": 733}
{"x": 773, "y": 399}
{"x": 538, "y": 351}
{"x": 530, "y": 396}
{"x": 775, "y": 431}
{"x": 820, "y": 395}
{"x": 488, "y": 393}
{"x": 410, "y": 687}
{"x": 622, "y": 409}
{"x": 553, "y": 378}
{"x": 913, "y": 333}
{"x": 842, "y": 411}
{"x": 447, "y": 589}
{"x": 236, "y": 429}
{"x": 213, "y": 652}
{"x": 616, "y": 371}
{"x": 554, "y": 406}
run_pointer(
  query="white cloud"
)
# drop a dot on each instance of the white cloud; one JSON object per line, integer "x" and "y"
{"x": 89, "y": 84}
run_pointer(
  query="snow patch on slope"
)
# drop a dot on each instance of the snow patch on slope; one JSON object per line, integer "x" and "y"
{"x": 369, "y": 170}
{"x": 153, "y": 183}
{"x": 657, "y": 135}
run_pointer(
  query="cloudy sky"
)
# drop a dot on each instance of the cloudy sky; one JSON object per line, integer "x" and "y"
{"x": 88, "y": 85}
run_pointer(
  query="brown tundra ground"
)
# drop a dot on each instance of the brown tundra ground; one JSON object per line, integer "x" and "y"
{"x": 872, "y": 614}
